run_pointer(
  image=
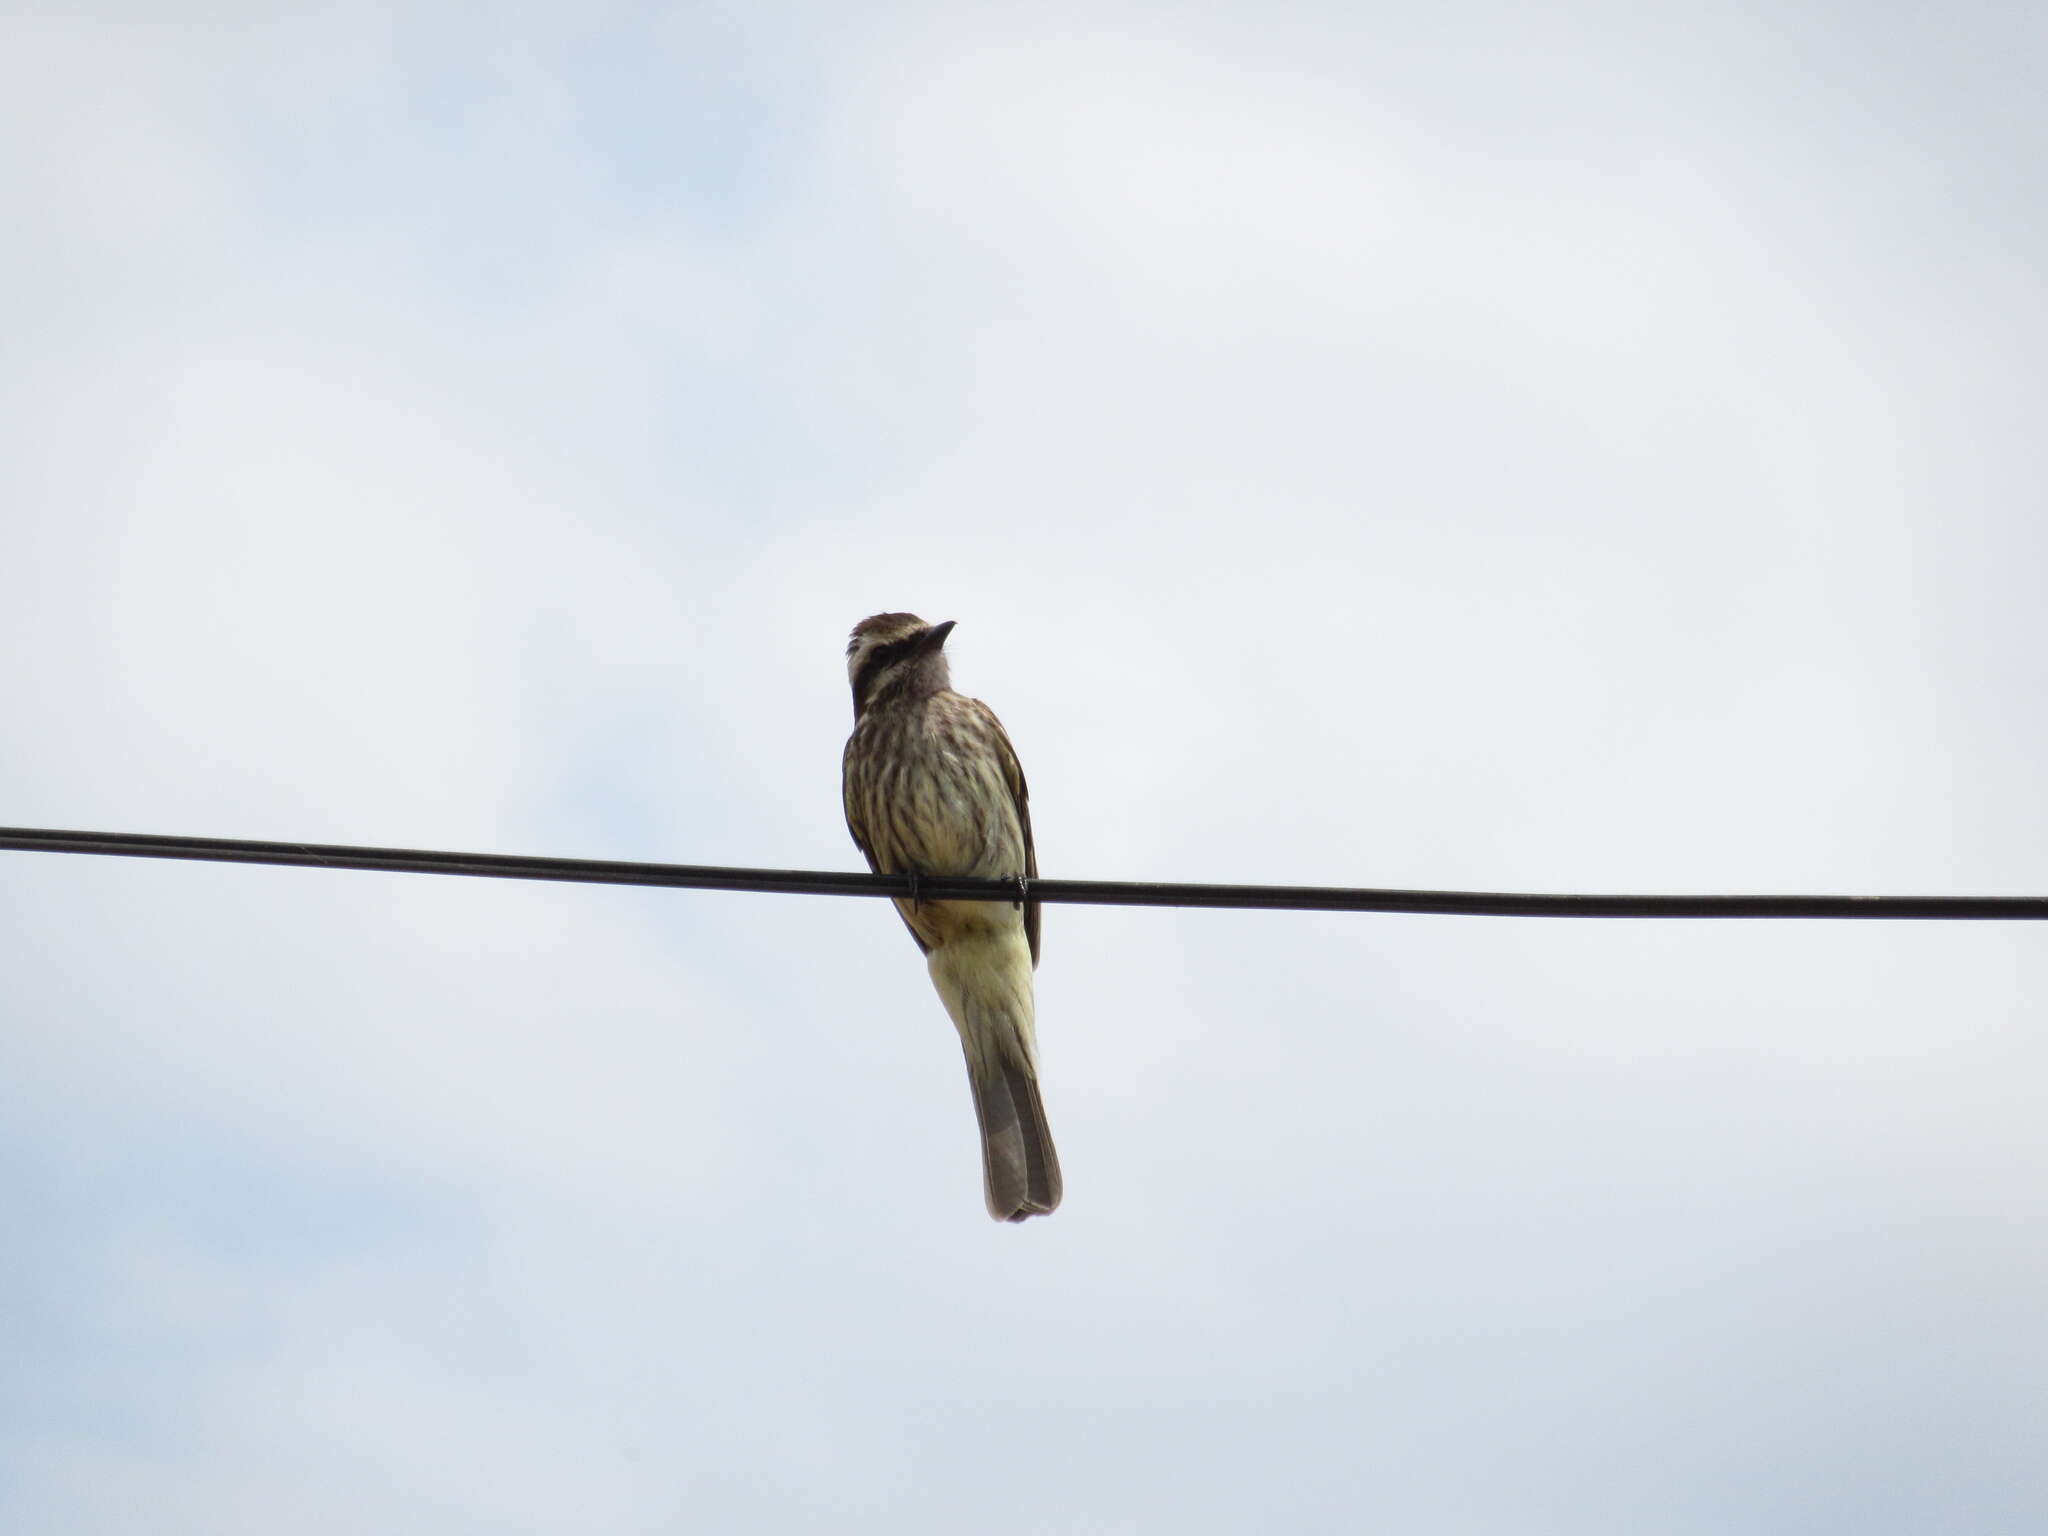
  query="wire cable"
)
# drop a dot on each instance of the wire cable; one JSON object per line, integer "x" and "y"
{"x": 1117, "y": 893}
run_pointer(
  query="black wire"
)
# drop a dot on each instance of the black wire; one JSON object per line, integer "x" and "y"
{"x": 1297, "y": 898}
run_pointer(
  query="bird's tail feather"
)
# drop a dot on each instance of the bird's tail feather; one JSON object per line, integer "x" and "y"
{"x": 1019, "y": 1166}
{"x": 984, "y": 979}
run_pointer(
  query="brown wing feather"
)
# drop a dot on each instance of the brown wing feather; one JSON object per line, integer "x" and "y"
{"x": 868, "y": 853}
{"x": 1020, "y": 796}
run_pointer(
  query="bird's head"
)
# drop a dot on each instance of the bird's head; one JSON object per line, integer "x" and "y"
{"x": 889, "y": 650}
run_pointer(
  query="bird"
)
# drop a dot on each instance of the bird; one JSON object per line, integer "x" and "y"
{"x": 932, "y": 787}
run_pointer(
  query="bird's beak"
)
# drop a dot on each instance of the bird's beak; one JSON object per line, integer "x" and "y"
{"x": 936, "y": 637}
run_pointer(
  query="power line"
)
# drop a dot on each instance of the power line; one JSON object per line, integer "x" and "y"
{"x": 1120, "y": 893}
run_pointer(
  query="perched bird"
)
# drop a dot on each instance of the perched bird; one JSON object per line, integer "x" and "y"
{"x": 933, "y": 787}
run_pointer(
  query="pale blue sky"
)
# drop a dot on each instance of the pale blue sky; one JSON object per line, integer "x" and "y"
{"x": 1581, "y": 448}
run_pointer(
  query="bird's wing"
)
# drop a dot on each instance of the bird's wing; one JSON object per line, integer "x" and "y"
{"x": 1020, "y": 797}
{"x": 866, "y": 850}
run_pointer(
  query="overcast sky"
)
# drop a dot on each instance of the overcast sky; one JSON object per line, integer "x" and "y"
{"x": 1586, "y": 447}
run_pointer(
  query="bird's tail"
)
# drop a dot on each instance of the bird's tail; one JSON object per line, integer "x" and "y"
{"x": 985, "y": 981}
{"x": 1019, "y": 1166}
